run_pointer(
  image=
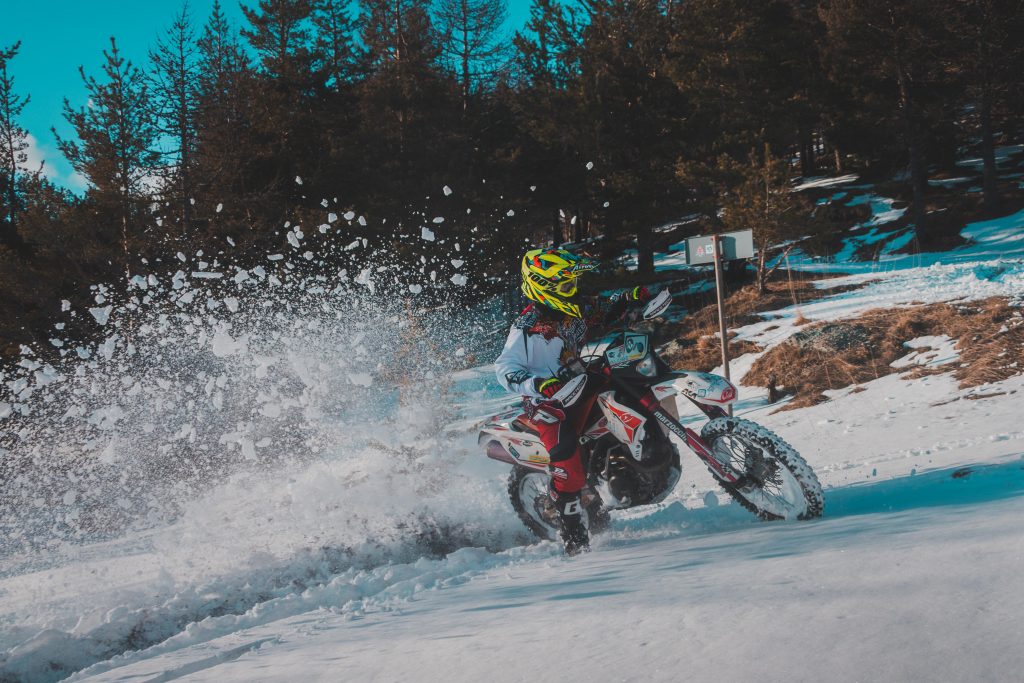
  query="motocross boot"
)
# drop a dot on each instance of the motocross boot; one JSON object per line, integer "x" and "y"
{"x": 574, "y": 532}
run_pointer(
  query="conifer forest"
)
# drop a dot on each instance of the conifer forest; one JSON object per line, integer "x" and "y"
{"x": 598, "y": 118}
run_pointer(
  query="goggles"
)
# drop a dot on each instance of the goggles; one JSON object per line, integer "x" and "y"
{"x": 567, "y": 288}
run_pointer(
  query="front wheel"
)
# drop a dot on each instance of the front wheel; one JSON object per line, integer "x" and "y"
{"x": 774, "y": 482}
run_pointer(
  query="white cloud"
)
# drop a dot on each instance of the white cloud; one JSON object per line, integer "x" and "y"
{"x": 35, "y": 157}
{"x": 46, "y": 157}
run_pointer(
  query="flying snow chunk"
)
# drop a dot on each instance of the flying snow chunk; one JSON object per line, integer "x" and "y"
{"x": 415, "y": 289}
{"x": 447, "y": 191}
{"x": 232, "y": 304}
{"x": 349, "y": 215}
{"x": 533, "y": 188}
{"x": 101, "y": 314}
{"x": 298, "y": 180}
{"x": 361, "y": 221}
{"x": 182, "y": 257}
{"x": 275, "y": 257}
{"x": 230, "y": 241}
{"x": 353, "y": 245}
{"x": 510, "y": 213}
{"x": 324, "y": 203}
{"x": 457, "y": 262}
{"x": 324, "y": 227}
{"x": 459, "y": 279}
{"x": 607, "y": 204}
{"x": 361, "y": 379}
{"x": 590, "y": 165}
{"x": 293, "y": 240}
{"x": 220, "y": 207}
{"x": 427, "y": 234}
{"x": 65, "y": 305}
{"x": 332, "y": 217}
{"x": 438, "y": 220}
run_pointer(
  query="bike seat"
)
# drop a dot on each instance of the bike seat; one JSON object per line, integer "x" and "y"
{"x": 524, "y": 424}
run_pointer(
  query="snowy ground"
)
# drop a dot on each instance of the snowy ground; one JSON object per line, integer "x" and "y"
{"x": 915, "y": 572}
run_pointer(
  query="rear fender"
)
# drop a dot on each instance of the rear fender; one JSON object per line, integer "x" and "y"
{"x": 516, "y": 448}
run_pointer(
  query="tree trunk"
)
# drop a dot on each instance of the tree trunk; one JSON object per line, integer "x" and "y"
{"x": 556, "y": 228}
{"x": 806, "y": 154}
{"x": 644, "y": 251}
{"x": 762, "y": 272}
{"x": 988, "y": 155}
{"x": 915, "y": 154}
{"x": 918, "y": 182}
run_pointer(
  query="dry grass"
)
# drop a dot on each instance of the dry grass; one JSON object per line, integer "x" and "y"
{"x": 990, "y": 336}
{"x": 703, "y": 354}
{"x": 694, "y": 341}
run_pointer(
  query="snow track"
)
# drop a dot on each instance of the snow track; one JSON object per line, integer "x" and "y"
{"x": 290, "y": 516}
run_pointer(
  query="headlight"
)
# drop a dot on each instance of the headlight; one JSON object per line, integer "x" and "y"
{"x": 646, "y": 367}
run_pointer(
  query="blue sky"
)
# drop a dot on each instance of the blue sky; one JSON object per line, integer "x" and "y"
{"x": 58, "y": 36}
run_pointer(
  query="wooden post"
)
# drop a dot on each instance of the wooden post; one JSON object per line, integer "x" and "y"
{"x": 716, "y": 243}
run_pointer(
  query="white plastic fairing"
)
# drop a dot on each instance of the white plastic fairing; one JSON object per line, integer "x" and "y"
{"x": 624, "y": 423}
{"x": 571, "y": 391}
{"x": 703, "y": 387}
{"x": 665, "y": 389}
{"x": 500, "y": 442}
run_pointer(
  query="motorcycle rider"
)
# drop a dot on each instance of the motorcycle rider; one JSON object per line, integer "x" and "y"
{"x": 539, "y": 356}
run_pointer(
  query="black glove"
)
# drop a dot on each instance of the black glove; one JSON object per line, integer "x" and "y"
{"x": 638, "y": 293}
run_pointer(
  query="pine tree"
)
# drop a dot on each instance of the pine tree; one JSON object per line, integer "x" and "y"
{"x": 472, "y": 42}
{"x": 763, "y": 201}
{"x": 890, "y": 53}
{"x": 280, "y": 32}
{"x": 223, "y": 125}
{"x": 115, "y": 149}
{"x": 547, "y": 106}
{"x": 175, "y": 88}
{"x": 13, "y": 143}
{"x": 988, "y": 62}
{"x": 405, "y": 101}
{"x": 632, "y": 113}
{"x": 336, "y": 51}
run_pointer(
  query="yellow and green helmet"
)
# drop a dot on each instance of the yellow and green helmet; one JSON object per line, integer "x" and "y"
{"x": 549, "y": 278}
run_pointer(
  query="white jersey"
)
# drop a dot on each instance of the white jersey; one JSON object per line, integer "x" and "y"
{"x": 536, "y": 349}
{"x": 528, "y": 356}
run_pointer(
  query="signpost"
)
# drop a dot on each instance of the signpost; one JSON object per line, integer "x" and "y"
{"x": 730, "y": 246}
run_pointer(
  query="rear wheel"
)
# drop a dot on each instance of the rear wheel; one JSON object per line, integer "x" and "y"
{"x": 528, "y": 490}
{"x": 774, "y": 482}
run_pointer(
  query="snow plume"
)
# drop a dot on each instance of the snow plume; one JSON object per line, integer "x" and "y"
{"x": 237, "y": 434}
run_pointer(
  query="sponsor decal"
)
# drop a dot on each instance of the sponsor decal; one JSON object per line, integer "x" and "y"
{"x": 630, "y": 422}
{"x": 634, "y": 347}
{"x": 517, "y": 377}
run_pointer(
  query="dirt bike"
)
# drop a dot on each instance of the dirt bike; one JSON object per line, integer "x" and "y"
{"x": 629, "y": 456}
